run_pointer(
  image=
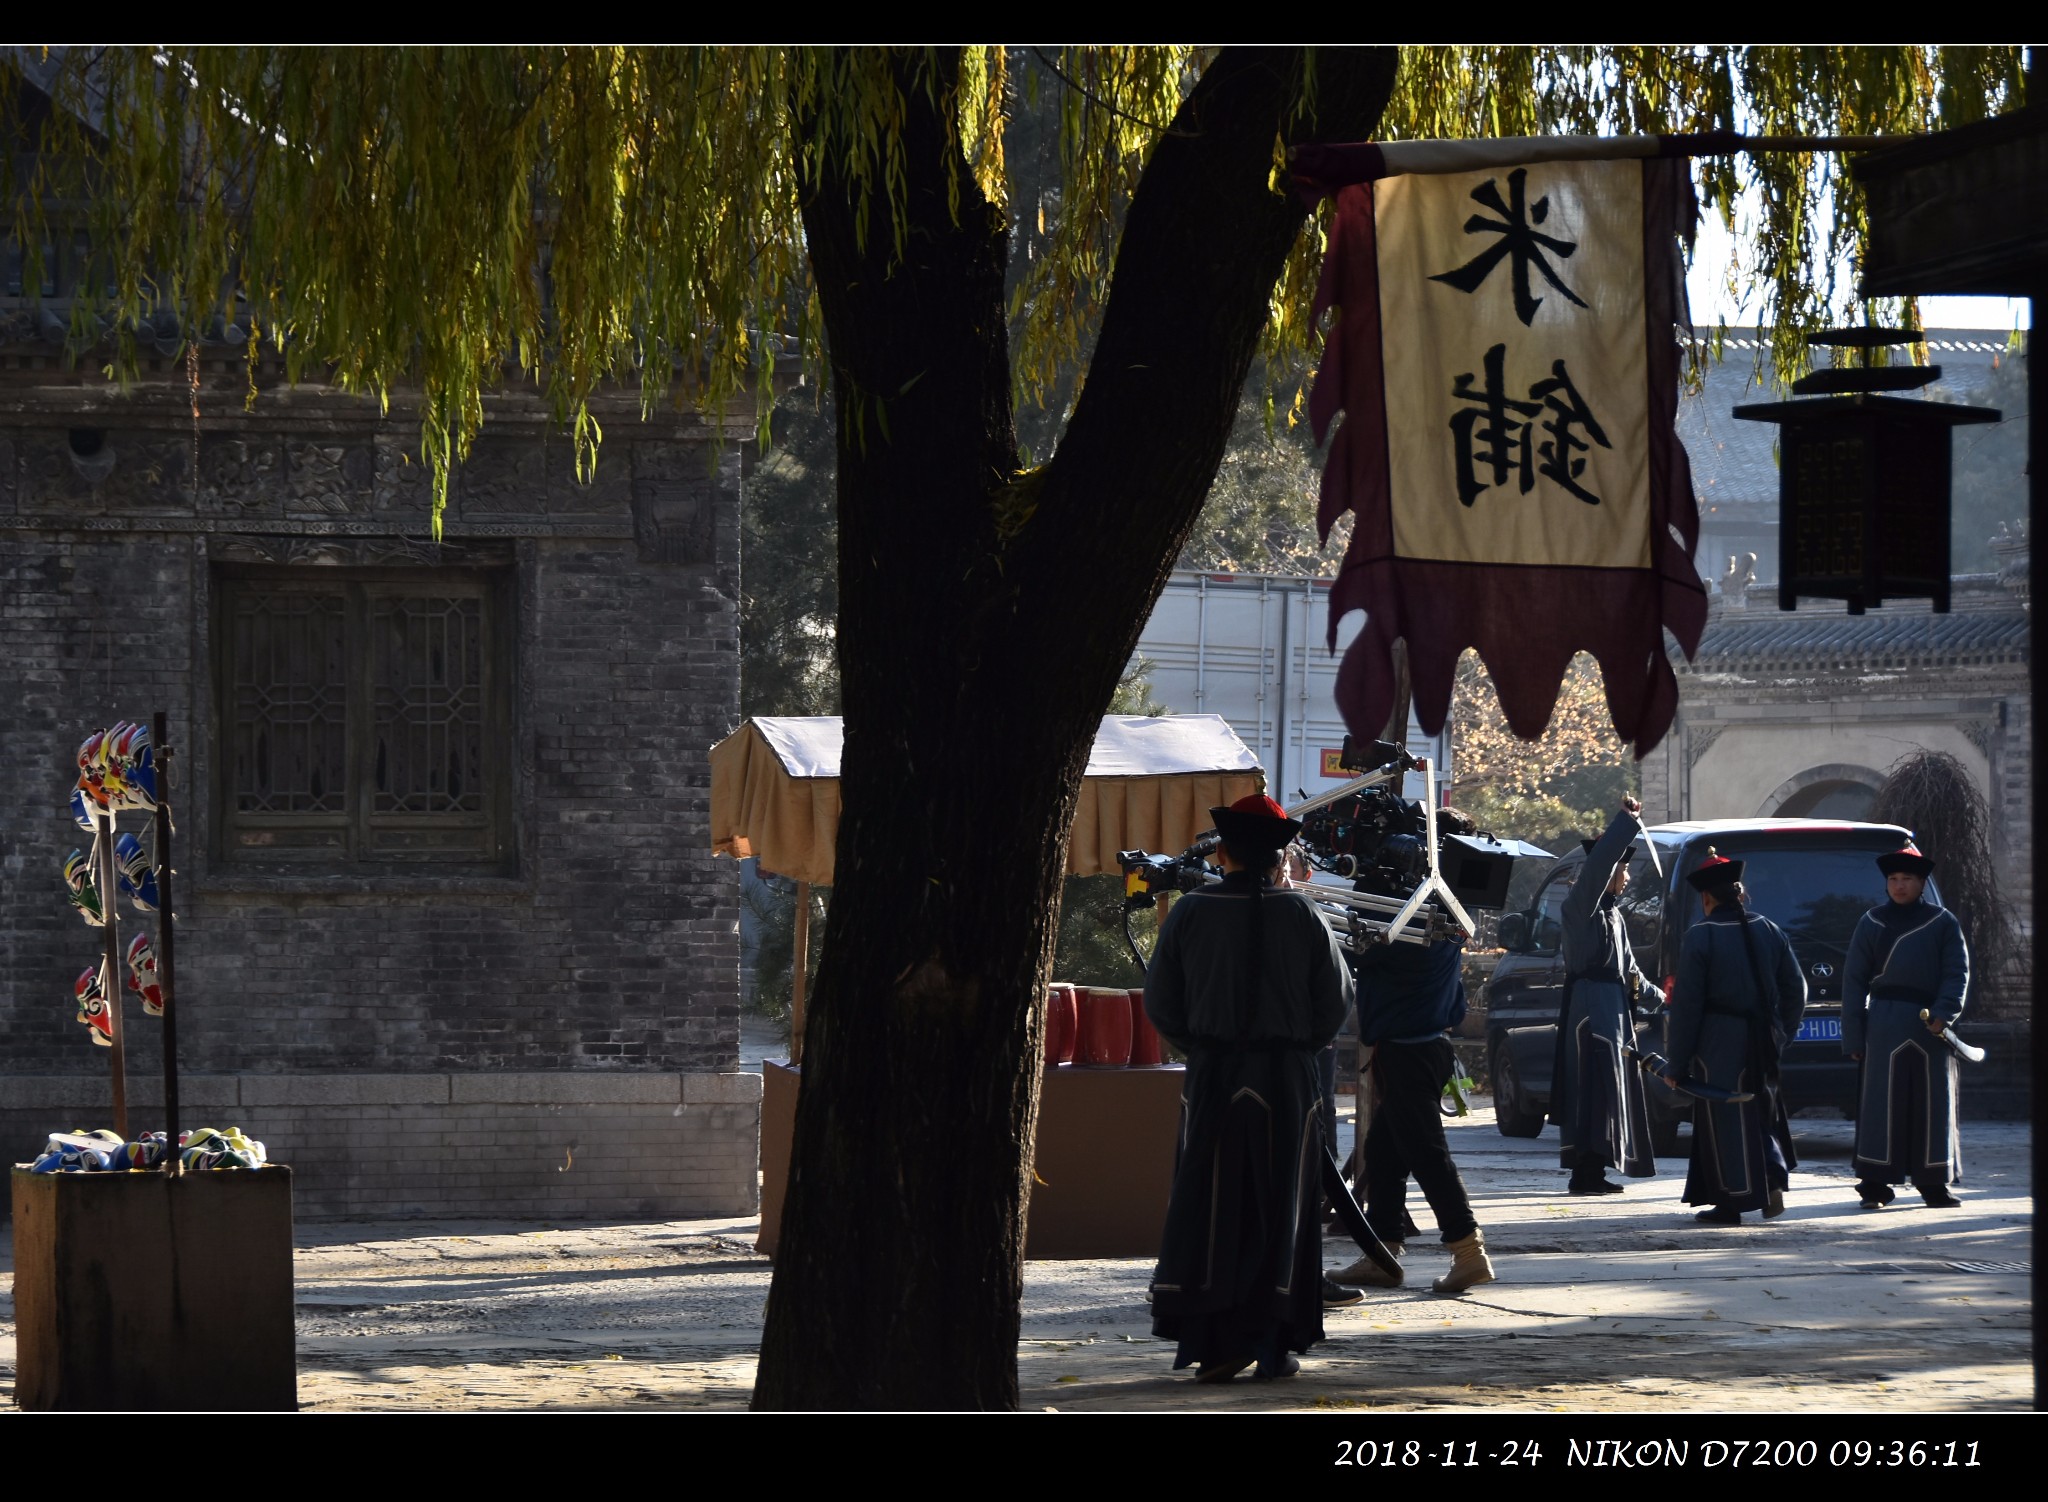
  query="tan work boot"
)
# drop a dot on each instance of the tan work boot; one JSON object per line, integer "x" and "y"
{"x": 1469, "y": 1265}
{"x": 1366, "y": 1273}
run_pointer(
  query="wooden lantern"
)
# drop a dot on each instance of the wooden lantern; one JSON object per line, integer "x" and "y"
{"x": 1863, "y": 479}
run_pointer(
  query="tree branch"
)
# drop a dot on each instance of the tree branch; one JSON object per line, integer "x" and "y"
{"x": 1103, "y": 104}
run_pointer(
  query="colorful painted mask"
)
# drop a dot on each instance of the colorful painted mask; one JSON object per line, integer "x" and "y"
{"x": 92, "y": 776}
{"x": 94, "y": 1010}
{"x": 131, "y": 767}
{"x": 81, "y": 1152}
{"x": 114, "y": 765}
{"x": 145, "y": 1152}
{"x": 85, "y": 894}
{"x": 204, "y": 1147}
{"x": 141, "y": 776}
{"x": 81, "y": 811}
{"x": 142, "y": 975}
{"x": 138, "y": 880}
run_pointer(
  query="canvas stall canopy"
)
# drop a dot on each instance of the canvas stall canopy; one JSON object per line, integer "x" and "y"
{"x": 1150, "y": 785}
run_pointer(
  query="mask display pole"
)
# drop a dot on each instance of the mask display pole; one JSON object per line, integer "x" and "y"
{"x": 166, "y": 955}
{"x": 109, "y": 875}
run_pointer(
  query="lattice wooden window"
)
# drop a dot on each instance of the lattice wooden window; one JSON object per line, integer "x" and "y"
{"x": 363, "y": 717}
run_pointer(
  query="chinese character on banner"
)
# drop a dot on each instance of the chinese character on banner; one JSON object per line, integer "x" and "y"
{"x": 1505, "y": 358}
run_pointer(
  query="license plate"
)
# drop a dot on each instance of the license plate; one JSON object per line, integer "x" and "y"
{"x": 1819, "y": 1030}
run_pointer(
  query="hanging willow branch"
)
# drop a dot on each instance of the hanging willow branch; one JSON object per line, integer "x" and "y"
{"x": 436, "y": 218}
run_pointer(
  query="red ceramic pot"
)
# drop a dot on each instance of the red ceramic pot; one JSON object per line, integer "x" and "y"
{"x": 1062, "y": 1025}
{"x": 1105, "y": 1028}
{"x": 1145, "y": 1051}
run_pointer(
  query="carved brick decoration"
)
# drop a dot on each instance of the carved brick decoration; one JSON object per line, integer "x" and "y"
{"x": 504, "y": 477}
{"x": 329, "y": 478}
{"x": 241, "y": 475}
{"x": 346, "y": 552}
{"x": 402, "y": 484}
{"x": 125, "y": 471}
{"x": 674, "y": 522}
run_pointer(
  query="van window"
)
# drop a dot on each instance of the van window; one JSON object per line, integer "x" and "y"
{"x": 1642, "y": 910}
{"x": 1816, "y": 896}
{"x": 1548, "y": 933}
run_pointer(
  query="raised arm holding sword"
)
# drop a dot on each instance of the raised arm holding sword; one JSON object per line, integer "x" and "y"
{"x": 1597, "y": 1095}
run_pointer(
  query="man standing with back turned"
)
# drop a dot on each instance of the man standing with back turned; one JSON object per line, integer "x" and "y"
{"x": 1250, "y": 984}
{"x": 1739, "y": 997}
{"x": 1596, "y": 1094}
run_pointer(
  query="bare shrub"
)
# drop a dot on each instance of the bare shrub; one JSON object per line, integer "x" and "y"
{"x": 1933, "y": 795}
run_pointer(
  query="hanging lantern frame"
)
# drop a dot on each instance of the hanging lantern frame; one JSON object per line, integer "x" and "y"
{"x": 1864, "y": 480}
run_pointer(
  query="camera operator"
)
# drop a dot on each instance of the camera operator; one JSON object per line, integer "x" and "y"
{"x": 1249, "y": 982}
{"x": 1409, "y": 997}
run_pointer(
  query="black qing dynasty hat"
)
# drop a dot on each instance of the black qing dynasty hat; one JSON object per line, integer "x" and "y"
{"x": 1634, "y": 849}
{"x": 1715, "y": 871}
{"x": 1907, "y": 859}
{"x": 1257, "y": 821}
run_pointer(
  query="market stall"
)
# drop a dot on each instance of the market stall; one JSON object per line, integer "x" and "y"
{"x": 1150, "y": 784}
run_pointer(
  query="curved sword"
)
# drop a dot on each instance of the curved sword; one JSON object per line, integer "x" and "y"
{"x": 1956, "y": 1045}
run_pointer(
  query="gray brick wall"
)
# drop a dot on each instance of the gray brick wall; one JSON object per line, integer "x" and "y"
{"x": 512, "y": 1146}
{"x": 613, "y": 944}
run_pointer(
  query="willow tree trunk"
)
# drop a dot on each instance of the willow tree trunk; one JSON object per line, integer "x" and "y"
{"x": 984, "y": 620}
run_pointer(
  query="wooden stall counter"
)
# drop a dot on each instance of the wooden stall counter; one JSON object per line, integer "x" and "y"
{"x": 1105, "y": 1156}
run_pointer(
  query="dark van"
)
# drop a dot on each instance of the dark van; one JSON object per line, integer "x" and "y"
{"x": 1812, "y": 877}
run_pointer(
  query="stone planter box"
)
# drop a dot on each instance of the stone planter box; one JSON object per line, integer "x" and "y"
{"x": 139, "y": 1291}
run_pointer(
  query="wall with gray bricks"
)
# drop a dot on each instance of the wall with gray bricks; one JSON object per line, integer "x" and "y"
{"x": 609, "y": 945}
{"x": 513, "y": 1146}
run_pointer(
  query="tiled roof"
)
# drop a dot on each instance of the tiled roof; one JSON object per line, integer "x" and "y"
{"x": 1734, "y": 462}
{"x": 1910, "y": 635}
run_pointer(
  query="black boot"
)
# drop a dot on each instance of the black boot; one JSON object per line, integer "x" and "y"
{"x": 1587, "y": 1179}
{"x": 1875, "y": 1196}
{"x": 1937, "y": 1196}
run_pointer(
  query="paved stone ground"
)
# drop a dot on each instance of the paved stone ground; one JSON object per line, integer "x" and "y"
{"x": 1613, "y": 1304}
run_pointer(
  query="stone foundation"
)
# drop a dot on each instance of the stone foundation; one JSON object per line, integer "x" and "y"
{"x": 552, "y": 1146}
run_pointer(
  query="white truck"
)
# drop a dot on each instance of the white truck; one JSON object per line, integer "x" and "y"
{"x": 1253, "y": 648}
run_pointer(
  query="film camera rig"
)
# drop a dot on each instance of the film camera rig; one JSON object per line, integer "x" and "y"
{"x": 1413, "y": 881}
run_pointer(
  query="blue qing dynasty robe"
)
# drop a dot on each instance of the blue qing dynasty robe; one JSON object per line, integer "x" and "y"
{"x": 1902, "y": 957}
{"x": 1725, "y": 1031}
{"x": 1597, "y": 1093}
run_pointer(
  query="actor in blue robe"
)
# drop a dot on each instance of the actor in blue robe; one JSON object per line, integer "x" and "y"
{"x": 1596, "y": 1094}
{"x": 1738, "y": 998}
{"x": 1248, "y": 982}
{"x": 1907, "y": 955}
